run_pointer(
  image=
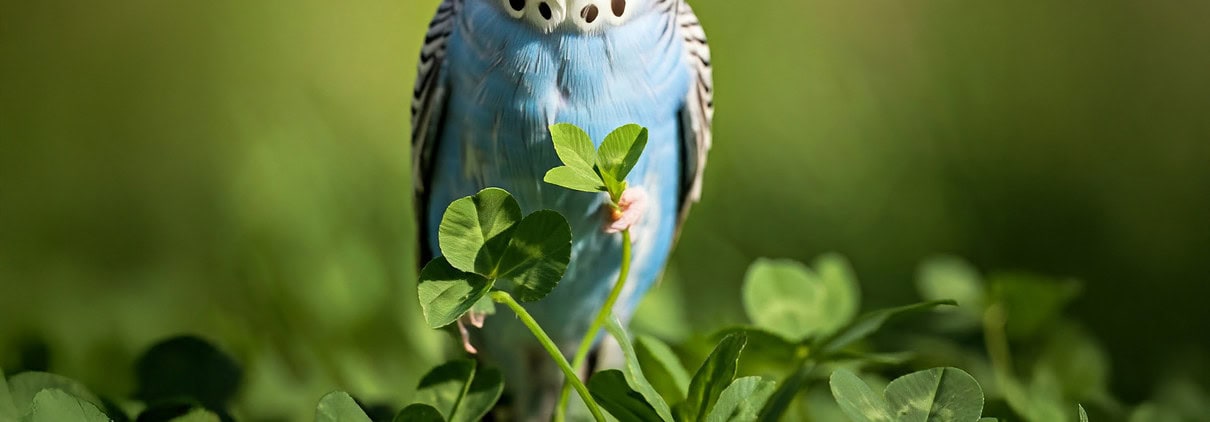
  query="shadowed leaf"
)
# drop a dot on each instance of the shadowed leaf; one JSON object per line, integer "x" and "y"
{"x": 713, "y": 377}
{"x": 461, "y": 390}
{"x": 610, "y": 390}
{"x": 537, "y": 256}
{"x": 419, "y": 413}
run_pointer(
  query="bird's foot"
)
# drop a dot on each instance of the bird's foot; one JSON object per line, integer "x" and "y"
{"x": 631, "y": 207}
{"x": 471, "y": 318}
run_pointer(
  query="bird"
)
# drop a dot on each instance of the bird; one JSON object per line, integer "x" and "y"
{"x": 493, "y": 76}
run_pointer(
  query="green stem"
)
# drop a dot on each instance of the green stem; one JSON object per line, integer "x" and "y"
{"x": 549, "y": 345}
{"x": 590, "y": 336}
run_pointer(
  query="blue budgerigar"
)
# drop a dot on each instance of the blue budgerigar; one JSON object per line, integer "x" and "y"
{"x": 494, "y": 75}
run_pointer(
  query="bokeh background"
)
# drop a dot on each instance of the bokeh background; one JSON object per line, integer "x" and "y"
{"x": 239, "y": 170}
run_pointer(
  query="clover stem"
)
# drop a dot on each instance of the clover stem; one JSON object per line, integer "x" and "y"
{"x": 590, "y": 336}
{"x": 549, "y": 345}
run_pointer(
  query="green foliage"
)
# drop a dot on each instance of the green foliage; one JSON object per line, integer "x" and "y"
{"x": 934, "y": 395}
{"x": 485, "y": 245}
{"x": 461, "y": 390}
{"x": 446, "y": 293}
{"x": 712, "y": 378}
{"x": 419, "y": 413}
{"x": 470, "y": 225}
{"x": 789, "y": 299}
{"x": 611, "y": 389}
{"x": 604, "y": 169}
{"x": 55, "y": 405}
{"x": 742, "y": 400}
{"x": 339, "y": 407}
{"x": 633, "y": 373}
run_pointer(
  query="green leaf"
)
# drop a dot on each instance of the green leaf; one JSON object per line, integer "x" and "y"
{"x": 537, "y": 255}
{"x": 947, "y": 277}
{"x": 857, "y": 400}
{"x": 338, "y": 406}
{"x": 55, "y": 405}
{"x": 1083, "y": 413}
{"x": 25, "y": 386}
{"x": 742, "y": 400}
{"x": 936, "y": 395}
{"x": 787, "y": 298}
{"x": 419, "y": 412}
{"x": 621, "y": 150}
{"x": 776, "y": 407}
{"x": 660, "y": 361}
{"x": 472, "y": 222}
{"x": 447, "y": 293}
{"x": 573, "y": 146}
{"x": 634, "y": 372}
{"x": 197, "y": 415}
{"x": 1077, "y": 361}
{"x": 610, "y": 390}
{"x": 1031, "y": 303}
{"x": 869, "y": 323}
{"x": 715, "y": 374}
{"x": 574, "y": 179}
{"x": 8, "y": 408}
{"x": 461, "y": 390}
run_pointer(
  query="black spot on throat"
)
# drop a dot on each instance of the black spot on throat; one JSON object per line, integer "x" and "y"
{"x": 619, "y": 7}
{"x": 590, "y": 13}
{"x": 517, "y": 4}
{"x": 544, "y": 9}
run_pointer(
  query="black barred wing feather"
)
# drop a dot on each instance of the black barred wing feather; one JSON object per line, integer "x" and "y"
{"x": 428, "y": 105}
{"x": 698, "y": 113}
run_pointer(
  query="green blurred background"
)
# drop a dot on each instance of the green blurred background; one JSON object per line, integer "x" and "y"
{"x": 240, "y": 170}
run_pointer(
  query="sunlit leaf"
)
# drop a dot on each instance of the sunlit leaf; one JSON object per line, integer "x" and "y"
{"x": 742, "y": 400}
{"x": 857, "y": 400}
{"x": 537, "y": 256}
{"x": 621, "y": 150}
{"x": 634, "y": 372}
{"x": 419, "y": 413}
{"x": 339, "y": 407}
{"x": 610, "y": 389}
{"x": 936, "y": 395}
{"x": 55, "y": 405}
{"x": 715, "y": 374}
{"x": 573, "y": 146}
{"x": 1083, "y": 413}
{"x": 461, "y": 390}
{"x": 470, "y": 223}
{"x": 25, "y": 386}
{"x": 574, "y": 179}
{"x": 446, "y": 293}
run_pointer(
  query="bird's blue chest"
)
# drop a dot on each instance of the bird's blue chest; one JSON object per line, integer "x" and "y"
{"x": 507, "y": 83}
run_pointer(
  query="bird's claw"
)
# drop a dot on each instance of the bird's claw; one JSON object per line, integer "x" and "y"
{"x": 631, "y": 207}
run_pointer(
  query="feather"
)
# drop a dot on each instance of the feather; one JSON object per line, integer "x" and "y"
{"x": 698, "y": 113}
{"x": 428, "y": 106}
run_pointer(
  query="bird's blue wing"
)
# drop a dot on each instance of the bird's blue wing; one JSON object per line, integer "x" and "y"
{"x": 428, "y": 106}
{"x": 698, "y": 113}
